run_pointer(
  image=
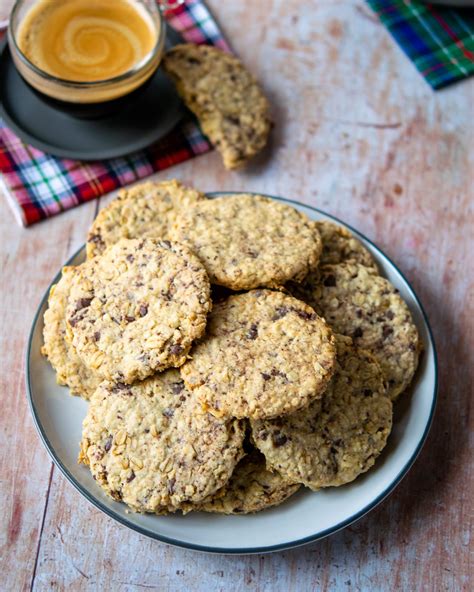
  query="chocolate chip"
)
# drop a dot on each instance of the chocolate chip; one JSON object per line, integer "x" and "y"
{"x": 280, "y": 312}
{"x": 130, "y": 258}
{"x": 120, "y": 386}
{"x": 108, "y": 444}
{"x": 131, "y": 477}
{"x": 389, "y": 314}
{"x": 129, "y": 319}
{"x": 143, "y": 310}
{"x": 82, "y": 303}
{"x": 386, "y": 331}
{"x": 176, "y": 349}
{"x": 177, "y": 387}
{"x": 75, "y": 319}
{"x": 307, "y": 316}
{"x": 279, "y": 439}
{"x": 281, "y": 374}
{"x": 367, "y": 392}
{"x": 170, "y": 485}
{"x": 357, "y": 333}
{"x": 96, "y": 238}
{"x": 232, "y": 120}
{"x": 329, "y": 281}
{"x": 252, "y": 333}
{"x": 97, "y": 336}
{"x": 265, "y": 376}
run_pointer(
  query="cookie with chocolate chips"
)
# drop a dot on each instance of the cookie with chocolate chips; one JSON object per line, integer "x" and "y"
{"x": 70, "y": 369}
{"x": 252, "y": 488}
{"x": 340, "y": 245}
{"x": 338, "y": 437}
{"x": 137, "y": 308}
{"x": 248, "y": 241}
{"x": 264, "y": 354}
{"x": 231, "y": 108}
{"x": 151, "y": 446}
{"x": 357, "y": 302}
{"x": 147, "y": 210}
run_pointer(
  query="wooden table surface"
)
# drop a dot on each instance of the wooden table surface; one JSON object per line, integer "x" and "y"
{"x": 361, "y": 135}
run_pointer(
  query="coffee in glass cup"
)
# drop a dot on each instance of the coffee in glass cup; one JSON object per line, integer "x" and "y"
{"x": 84, "y": 51}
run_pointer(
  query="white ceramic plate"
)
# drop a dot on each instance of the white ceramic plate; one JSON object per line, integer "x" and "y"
{"x": 304, "y": 518}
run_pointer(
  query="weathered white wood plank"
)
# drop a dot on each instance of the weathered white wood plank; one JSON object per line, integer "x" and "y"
{"x": 30, "y": 258}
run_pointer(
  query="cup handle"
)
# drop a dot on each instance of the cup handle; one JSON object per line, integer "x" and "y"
{"x": 166, "y": 5}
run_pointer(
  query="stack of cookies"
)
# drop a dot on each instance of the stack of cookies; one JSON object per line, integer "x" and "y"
{"x": 231, "y": 351}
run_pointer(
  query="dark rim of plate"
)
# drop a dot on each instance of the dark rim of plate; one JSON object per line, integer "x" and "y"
{"x": 241, "y": 550}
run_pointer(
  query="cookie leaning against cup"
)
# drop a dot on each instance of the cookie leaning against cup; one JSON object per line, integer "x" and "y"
{"x": 252, "y": 488}
{"x": 137, "y": 308}
{"x": 336, "y": 438}
{"x": 151, "y": 446}
{"x": 70, "y": 370}
{"x": 247, "y": 241}
{"x": 147, "y": 210}
{"x": 357, "y": 302}
{"x": 225, "y": 97}
{"x": 264, "y": 354}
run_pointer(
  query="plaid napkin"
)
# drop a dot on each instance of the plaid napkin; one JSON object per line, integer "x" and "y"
{"x": 38, "y": 185}
{"x": 439, "y": 40}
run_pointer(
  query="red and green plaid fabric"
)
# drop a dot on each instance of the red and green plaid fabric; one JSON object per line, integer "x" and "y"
{"x": 439, "y": 40}
{"x": 39, "y": 185}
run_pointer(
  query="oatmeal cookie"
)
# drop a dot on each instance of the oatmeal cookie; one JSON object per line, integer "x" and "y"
{"x": 151, "y": 446}
{"x": 224, "y": 96}
{"x": 339, "y": 245}
{"x": 264, "y": 354}
{"x": 357, "y": 302}
{"x": 338, "y": 437}
{"x": 137, "y": 308}
{"x": 70, "y": 370}
{"x": 147, "y": 210}
{"x": 252, "y": 488}
{"x": 247, "y": 241}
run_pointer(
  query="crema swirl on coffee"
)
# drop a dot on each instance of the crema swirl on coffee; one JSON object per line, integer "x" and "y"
{"x": 85, "y": 41}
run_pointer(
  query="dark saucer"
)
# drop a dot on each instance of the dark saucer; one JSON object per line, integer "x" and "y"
{"x": 143, "y": 119}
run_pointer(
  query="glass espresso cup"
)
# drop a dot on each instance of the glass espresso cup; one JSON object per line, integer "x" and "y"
{"x": 89, "y": 56}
